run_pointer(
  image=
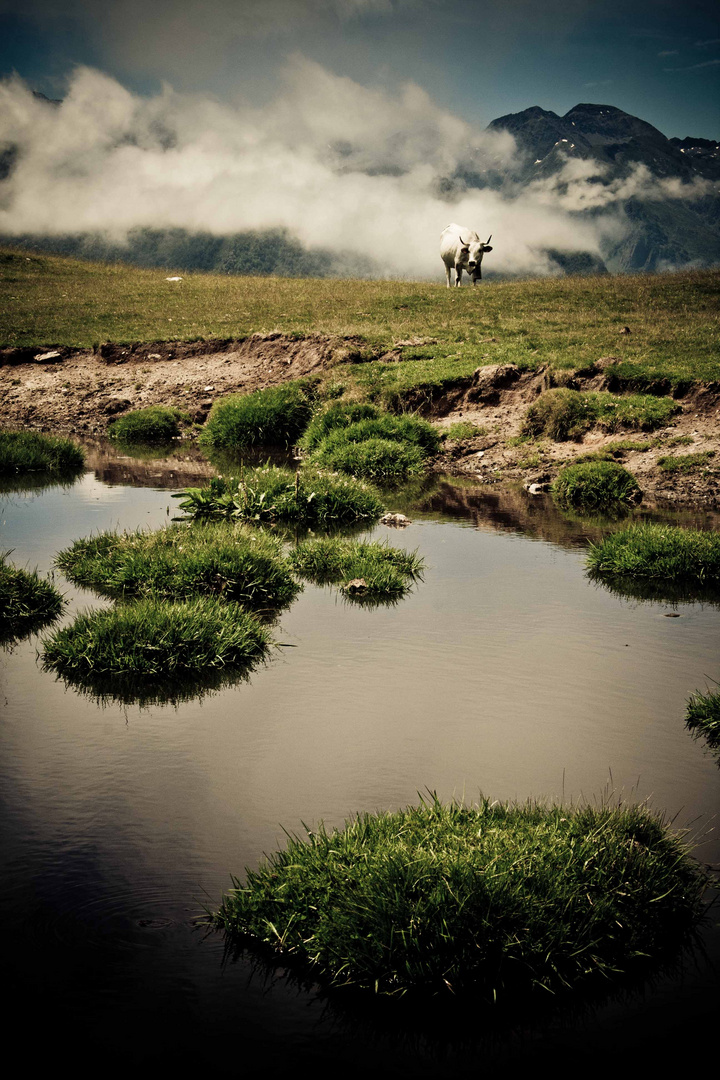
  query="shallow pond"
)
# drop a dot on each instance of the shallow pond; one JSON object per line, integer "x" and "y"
{"x": 505, "y": 672}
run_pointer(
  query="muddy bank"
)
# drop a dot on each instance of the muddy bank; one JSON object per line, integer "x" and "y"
{"x": 72, "y": 392}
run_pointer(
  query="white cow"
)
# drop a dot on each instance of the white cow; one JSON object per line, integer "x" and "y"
{"x": 463, "y": 249}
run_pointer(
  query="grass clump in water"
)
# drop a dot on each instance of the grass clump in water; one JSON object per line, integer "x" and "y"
{"x": 495, "y": 899}
{"x": 371, "y": 459}
{"x": 29, "y": 452}
{"x": 662, "y": 552}
{"x": 340, "y": 414}
{"x": 703, "y": 717}
{"x": 384, "y": 447}
{"x": 234, "y": 562}
{"x": 685, "y": 463}
{"x": 365, "y": 571}
{"x": 27, "y": 602}
{"x": 564, "y": 414}
{"x": 155, "y": 424}
{"x": 310, "y": 498}
{"x": 595, "y": 485}
{"x": 152, "y": 638}
{"x": 273, "y": 417}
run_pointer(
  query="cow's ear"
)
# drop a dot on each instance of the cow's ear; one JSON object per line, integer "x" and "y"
{"x": 486, "y": 247}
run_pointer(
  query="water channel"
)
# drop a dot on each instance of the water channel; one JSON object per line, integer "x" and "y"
{"x": 505, "y": 672}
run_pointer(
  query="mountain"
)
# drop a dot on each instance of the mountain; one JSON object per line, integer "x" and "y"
{"x": 669, "y": 215}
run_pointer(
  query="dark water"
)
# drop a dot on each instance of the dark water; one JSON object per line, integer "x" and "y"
{"x": 506, "y": 672}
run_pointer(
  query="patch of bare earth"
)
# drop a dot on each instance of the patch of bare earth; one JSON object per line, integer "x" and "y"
{"x": 61, "y": 391}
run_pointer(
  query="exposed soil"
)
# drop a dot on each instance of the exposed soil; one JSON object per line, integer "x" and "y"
{"x": 69, "y": 392}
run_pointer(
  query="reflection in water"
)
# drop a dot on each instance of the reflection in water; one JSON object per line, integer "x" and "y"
{"x": 39, "y": 481}
{"x": 104, "y": 689}
{"x": 655, "y": 590}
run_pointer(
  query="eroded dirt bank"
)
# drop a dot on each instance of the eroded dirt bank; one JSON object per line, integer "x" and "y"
{"x": 61, "y": 391}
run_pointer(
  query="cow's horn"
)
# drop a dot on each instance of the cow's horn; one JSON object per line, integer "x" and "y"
{"x": 462, "y": 242}
{"x": 489, "y": 239}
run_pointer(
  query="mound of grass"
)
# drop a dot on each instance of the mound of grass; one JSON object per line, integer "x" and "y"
{"x": 155, "y": 424}
{"x": 371, "y": 459}
{"x": 703, "y": 717}
{"x": 462, "y": 430}
{"x": 234, "y": 562}
{"x": 663, "y": 552}
{"x": 27, "y": 602}
{"x": 563, "y": 414}
{"x": 595, "y": 485}
{"x": 401, "y": 429}
{"x": 311, "y": 498}
{"x": 386, "y": 572}
{"x": 496, "y": 899}
{"x": 152, "y": 638}
{"x": 338, "y": 415}
{"x": 28, "y": 452}
{"x": 273, "y": 417}
{"x": 685, "y": 463}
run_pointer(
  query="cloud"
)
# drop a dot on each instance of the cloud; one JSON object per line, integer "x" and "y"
{"x": 695, "y": 67}
{"x": 342, "y": 166}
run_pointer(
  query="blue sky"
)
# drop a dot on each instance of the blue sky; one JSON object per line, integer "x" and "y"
{"x": 659, "y": 60}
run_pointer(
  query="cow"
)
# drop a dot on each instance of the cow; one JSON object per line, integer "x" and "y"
{"x": 463, "y": 249}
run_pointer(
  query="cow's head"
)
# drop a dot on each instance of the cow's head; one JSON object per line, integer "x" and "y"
{"x": 475, "y": 254}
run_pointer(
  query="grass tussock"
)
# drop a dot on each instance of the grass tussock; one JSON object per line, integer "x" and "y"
{"x": 659, "y": 552}
{"x": 386, "y": 573}
{"x": 339, "y": 414}
{"x": 496, "y": 899}
{"x": 155, "y": 424}
{"x": 27, "y": 452}
{"x": 563, "y": 414}
{"x": 273, "y": 417}
{"x": 685, "y": 463}
{"x": 595, "y": 486}
{"x": 382, "y": 447}
{"x": 27, "y": 602}
{"x": 154, "y": 639}
{"x": 703, "y": 717}
{"x": 310, "y": 498}
{"x": 462, "y": 430}
{"x": 214, "y": 558}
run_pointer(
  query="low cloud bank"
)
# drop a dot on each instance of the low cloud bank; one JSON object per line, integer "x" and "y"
{"x": 343, "y": 167}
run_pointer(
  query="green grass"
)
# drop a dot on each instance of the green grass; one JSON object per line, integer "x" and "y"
{"x": 339, "y": 414}
{"x": 310, "y": 498}
{"x": 381, "y": 447}
{"x": 563, "y": 323}
{"x": 703, "y": 717}
{"x": 498, "y": 899}
{"x": 563, "y": 414}
{"x": 376, "y": 459}
{"x": 27, "y": 452}
{"x": 387, "y": 572}
{"x": 273, "y": 417}
{"x": 27, "y": 602}
{"x": 595, "y": 485}
{"x": 685, "y": 463}
{"x": 155, "y": 424}
{"x": 155, "y": 639}
{"x": 214, "y": 558}
{"x": 461, "y": 431}
{"x": 659, "y": 552}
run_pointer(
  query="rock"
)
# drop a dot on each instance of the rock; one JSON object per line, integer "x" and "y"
{"x": 53, "y": 357}
{"x": 357, "y": 585}
{"x": 395, "y": 521}
{"x": 116, "y": 405}
{"x": 173, "y": 279}
{"x": 208, "y": 389}
{"x": 536, "y": 487}
{"x": 489, "y": 380}
{"x": 625, "y": 330}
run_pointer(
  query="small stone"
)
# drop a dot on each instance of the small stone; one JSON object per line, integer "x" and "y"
{"x": 357, "y": 585}
{"x": 396, "y": 521}
{"x": 208, "y": 389}
{"x": 48, "y": 357}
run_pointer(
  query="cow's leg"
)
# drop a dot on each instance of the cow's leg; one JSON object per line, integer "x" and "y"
{"x": 458, "y": 274}
{"x": 447, "y": 275}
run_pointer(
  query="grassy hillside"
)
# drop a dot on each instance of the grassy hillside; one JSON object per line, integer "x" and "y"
{"x": 563, "y": 322}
